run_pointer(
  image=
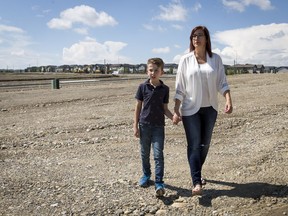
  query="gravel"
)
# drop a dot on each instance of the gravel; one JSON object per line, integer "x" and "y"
{"x": 71, "y": 151}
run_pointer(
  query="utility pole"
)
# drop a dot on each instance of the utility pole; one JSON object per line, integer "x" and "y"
{"x": 105, "y": 66}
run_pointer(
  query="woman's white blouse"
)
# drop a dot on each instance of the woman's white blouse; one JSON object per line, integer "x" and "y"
{"x": 189, "y": 83}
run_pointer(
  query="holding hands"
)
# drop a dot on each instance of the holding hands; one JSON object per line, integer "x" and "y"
{"x": 176, "y": 118}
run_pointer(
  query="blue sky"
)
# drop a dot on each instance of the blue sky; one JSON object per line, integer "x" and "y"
{"x": 57, "y": 32}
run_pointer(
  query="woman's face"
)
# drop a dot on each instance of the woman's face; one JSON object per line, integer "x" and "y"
{"x": 199, "y": 39}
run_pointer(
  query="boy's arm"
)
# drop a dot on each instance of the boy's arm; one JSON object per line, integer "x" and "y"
{"x": 167, "y": 112}
{"x": 138, "y": 108}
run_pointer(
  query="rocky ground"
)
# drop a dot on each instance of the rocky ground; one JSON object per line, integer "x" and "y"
{"x": 71, "y": 151}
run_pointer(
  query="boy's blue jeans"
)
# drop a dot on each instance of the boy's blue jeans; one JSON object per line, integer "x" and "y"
{"x": 198, "y": 129}
{"x": 152, "y": 136}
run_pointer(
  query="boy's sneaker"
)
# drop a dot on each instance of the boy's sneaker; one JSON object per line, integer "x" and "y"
{"x": 159, "y": 189}
{"x": 144, "y": 181}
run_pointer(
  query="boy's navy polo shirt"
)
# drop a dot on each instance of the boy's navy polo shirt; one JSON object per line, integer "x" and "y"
{"x": 153, "y": 99}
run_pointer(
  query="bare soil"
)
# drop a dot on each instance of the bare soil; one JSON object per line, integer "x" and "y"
{"x": 71, "y": 151}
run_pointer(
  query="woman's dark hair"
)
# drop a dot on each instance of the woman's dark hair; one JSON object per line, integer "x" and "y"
{"x": 207, "y": 35}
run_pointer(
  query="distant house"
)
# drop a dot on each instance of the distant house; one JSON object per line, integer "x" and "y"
{"x": 50, "y": 68}
{"x": 77, "y": 68}
{"x": 260, "y": 68}
{"x": 141, "y": 68}
{"x": 94, "y": 68}
{"x": 59, "y": 69}
{"x": 242, "y": 68}
{"x": 64, "y": 68}
{"x": 282, "y": 69}
{"x": 269, "y": 69}
{"x": 122, "y": 68}
{"x": 246, "y": 68}
{"x": 170, "y": 68}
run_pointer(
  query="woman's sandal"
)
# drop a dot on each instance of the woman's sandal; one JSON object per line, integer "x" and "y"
{"x": 197, "y": 190}
{"x": 203, "y": 181}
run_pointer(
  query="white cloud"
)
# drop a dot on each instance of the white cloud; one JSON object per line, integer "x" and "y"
{"x": 82, "y": 14}
{"x": 35, "y": 7}
{"x": 148, "y": 27}
{"x": 177, "y": 46}
{"x": 10, "y": 29}
{"x": 262, "y": 44}
{"x": 90, "y": 51}
{"x": 173, "y": 12}
{"x": 240, "y": 5}
{"x": 234, "y": 5}
{"x": 162, "y": 50}
{"x": 13, "y": 37}
{"x": 178, "y": 27}
{"x": 176, "y": 59}
{"x": 197, "y": 6}
{"x": 14, "y": 45}
{"x": 154, "y": 28}
{"x": 18, "y": 53}
{"x": 40, "y": 12}
{"x": 83, "y": 31}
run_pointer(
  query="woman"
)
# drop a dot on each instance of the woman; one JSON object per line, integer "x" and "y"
{"x": 199, "y": 77}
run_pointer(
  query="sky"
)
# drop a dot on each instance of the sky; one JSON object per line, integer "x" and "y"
{"x": 58, "y": 32}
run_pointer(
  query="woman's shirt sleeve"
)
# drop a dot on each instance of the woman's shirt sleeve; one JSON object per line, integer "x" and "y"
{"x": 180, "y": 85}
{"x": 222, "y": 84}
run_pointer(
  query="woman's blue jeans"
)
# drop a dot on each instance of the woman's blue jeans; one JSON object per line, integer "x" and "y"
{"x": 152, "y": 136}
{"x": 198, "y": 129}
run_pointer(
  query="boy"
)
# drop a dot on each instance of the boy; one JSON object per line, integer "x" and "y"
{"x": 149, "y": 120}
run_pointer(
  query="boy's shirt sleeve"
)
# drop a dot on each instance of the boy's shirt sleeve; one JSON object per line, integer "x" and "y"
{"x": 139, "y": 93}
{"x": 166, "y": 97}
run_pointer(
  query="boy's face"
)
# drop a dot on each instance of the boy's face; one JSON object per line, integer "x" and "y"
{"x": 154, "y": 72}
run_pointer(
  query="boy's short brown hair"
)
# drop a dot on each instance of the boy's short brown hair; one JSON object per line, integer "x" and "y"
{"x": 157, "y": 61}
